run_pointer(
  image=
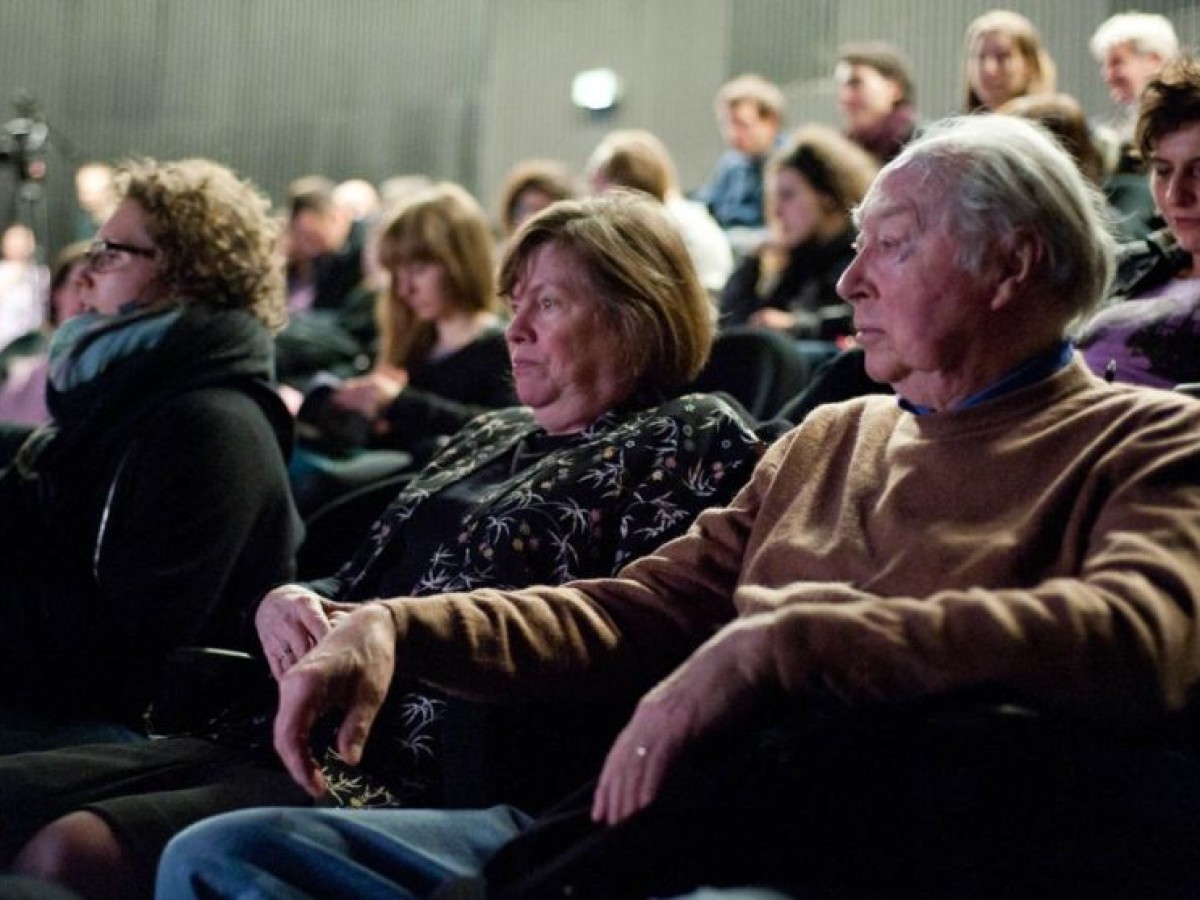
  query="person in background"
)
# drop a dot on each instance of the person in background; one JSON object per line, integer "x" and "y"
{"x": 1131, "y": 47}
{"x": 1128, "y": 197}
{"x": 359, "y": 198}
{"x": 637, "y": 159}
{"x": 750, "y": 111}
{"x": 869, "y": 693}
{"x": 1148, "y": 332}
{"x": 24, "y": 282}
{"x": 1004, "y": 58}
{"x": 323, "y": 245}
{"x": 529, "y": 187}
{"x": 790, "y": 283}
{"x": 602, "y": 464}
{"x": 154, "y": 508}
{"x": 25, "y": 364}
{"x": 876, "y": 97}
{"x": 324, "y": 248}
{"x": 95, "y": 198}
{"x": 442, "y": 358}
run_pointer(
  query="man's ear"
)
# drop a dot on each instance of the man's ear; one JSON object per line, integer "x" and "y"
{"x": 1017, "y": 258}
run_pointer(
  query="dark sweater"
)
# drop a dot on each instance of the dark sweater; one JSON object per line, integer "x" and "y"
{"x": 154, "y": 512}
{"x": 807, "y": 288}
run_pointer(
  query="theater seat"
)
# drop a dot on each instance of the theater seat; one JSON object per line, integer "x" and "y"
{"x": 334, "y": 531}
{"x": 758, "y": 367}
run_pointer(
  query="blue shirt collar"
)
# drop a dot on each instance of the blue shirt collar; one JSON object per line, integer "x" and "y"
{"x": 1033, "y": 370}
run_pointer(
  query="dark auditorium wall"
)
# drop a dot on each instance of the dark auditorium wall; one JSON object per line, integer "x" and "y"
{"x": 276, "y": 88}
{"x": 457, "y": 89}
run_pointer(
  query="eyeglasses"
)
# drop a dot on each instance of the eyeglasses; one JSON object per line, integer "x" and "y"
{"x": 103, "y": 255}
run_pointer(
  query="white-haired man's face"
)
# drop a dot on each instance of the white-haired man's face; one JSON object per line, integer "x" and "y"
{"x": 1126, "y": 72}
{"x": 919, "y": 316}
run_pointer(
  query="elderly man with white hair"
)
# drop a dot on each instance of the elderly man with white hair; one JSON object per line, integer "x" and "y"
{"x": 938, "y": 646}
{"x": 1131, "y": 48}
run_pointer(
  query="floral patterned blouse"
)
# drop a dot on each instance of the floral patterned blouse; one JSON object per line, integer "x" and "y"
{"x": 524, "y": 508}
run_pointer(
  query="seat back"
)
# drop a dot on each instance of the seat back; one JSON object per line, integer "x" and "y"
{"x": 333, "y": 532}
{"x": 758, "y": 367}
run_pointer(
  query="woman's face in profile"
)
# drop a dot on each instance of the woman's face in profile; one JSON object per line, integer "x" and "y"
{"x": 865, "y": 95}
{"x": 128, "y": 271}
{"x": 565, "y": 356}
{"x": 997, "y": 70}
{"x": 799, "y": 211}
{"x": 1175, "y": 182}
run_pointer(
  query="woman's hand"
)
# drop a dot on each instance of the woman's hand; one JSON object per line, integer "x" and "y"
{"x": 370, "y": 393}
{"x": 709, "y": 691}
{"x": 290, "y": 620}
{"x": 349, "y": 670}
{"x": 770, "y": 317}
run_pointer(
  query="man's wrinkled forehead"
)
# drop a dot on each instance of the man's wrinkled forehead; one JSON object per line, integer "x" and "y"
{"x": 899, "y": 191}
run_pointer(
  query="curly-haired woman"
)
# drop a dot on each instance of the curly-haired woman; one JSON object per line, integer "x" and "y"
{"x": 154, "y": 508}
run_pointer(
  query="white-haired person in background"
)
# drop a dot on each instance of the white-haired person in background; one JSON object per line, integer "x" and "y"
{"x": 1131, "y": 48}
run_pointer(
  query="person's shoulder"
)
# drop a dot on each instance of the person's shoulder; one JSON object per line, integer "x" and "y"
{"x": 227, "y": 414}
{"x": 1149, "y": 405}
{"x": 1144, "y": 264}
{"x": 494, "y": 425}
{"x": 702, "y": 407}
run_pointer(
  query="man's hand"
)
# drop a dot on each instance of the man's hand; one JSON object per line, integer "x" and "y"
{"x": 349, "y": 670}
{"x": 708, "y": 692}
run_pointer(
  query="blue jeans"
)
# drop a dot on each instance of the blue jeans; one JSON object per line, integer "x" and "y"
{"x": 297, "y": 853}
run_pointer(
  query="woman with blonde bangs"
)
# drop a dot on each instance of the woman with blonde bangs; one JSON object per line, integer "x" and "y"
{"x": 441, "y": 358}
{"x": 1005, "y": 58}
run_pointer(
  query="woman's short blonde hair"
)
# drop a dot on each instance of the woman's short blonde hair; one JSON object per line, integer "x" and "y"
{"x": 633, "y": 261}
{"x": 218, "y": 242}
{"x": 442, "y": 224}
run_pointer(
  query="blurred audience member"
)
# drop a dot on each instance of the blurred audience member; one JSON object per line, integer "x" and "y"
{"x": 1005, "y": 58}
{"x": 876, "y": 97}
{"x": 639, "y": 160}
{"x": 1129, "y": 197}
{"x": 95, "y": 198}
{"x": 750, "y": 111}
{"x": 790, "y": 282}
{"x": 529, "y": 187}
{"x": 1131, "y": 48}
{"x": 23, "y": 284}
{"x": 24, "y": 364}
{"x": 323, "y": 246}
{"x": 358, "y": 197}
{"x": 442, "y": 358}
